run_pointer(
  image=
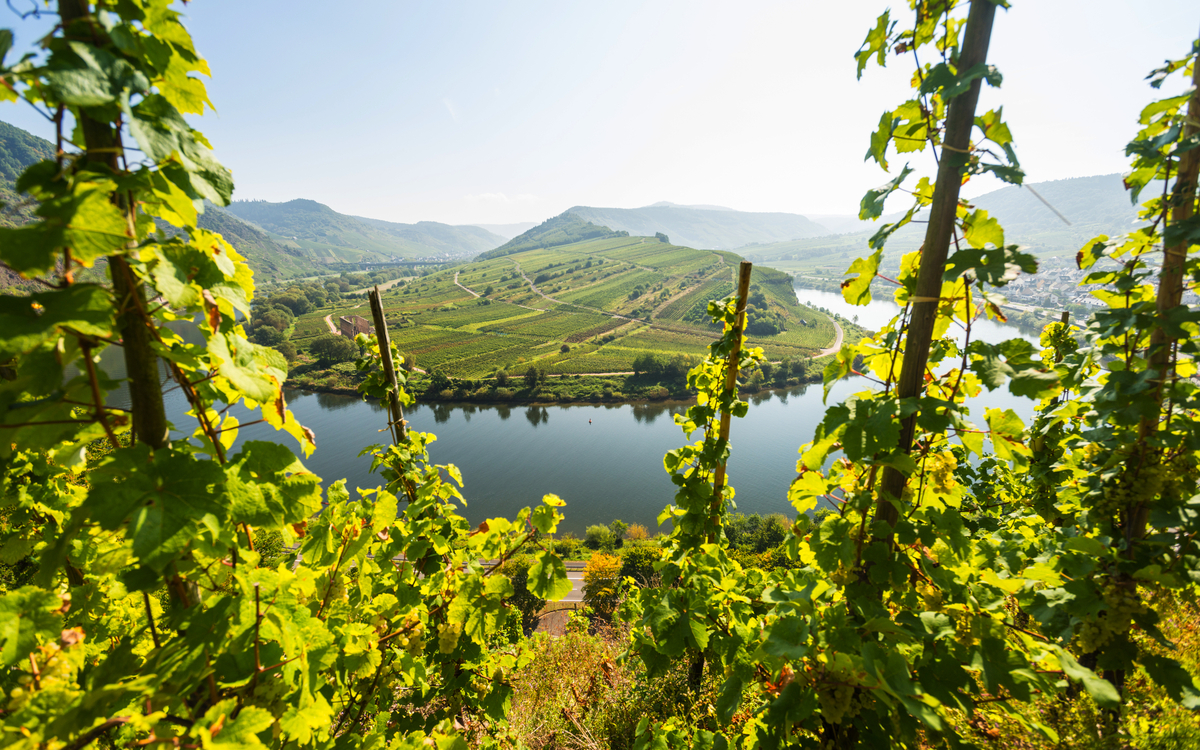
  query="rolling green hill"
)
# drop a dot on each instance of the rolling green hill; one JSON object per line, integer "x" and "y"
{"x": 702, "y": 226}
{"x": 587, "y": 306}
{"x": 1093, "y": 205}
{"x": 327, "y": 236}
{"x": 564, "y": 229}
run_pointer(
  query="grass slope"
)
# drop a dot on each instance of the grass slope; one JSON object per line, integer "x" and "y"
{"x": 606, "y": 300}
{"x": 18, "y": 149}
{"x": 714, "y": 227}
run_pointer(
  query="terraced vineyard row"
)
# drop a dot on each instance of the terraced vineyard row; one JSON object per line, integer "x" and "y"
{"x": 707, "y": 291}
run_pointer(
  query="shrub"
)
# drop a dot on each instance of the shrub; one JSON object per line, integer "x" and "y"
{"x": 637, "y": 562}
{"x": 637, "y": 532}
{"x": 287, "y": 349}
{"x": 528, "y": 603}
{"x": 332, "y": 348}
{"x": 601, "y": 584}
{"x": 567, "y": 547}
{"x": 599, "y": 537}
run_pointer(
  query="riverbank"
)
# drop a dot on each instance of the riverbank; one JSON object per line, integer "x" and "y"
{"x": 568, "y": 390}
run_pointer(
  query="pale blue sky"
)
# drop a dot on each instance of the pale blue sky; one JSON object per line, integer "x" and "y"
{"x": 469, "y": 112}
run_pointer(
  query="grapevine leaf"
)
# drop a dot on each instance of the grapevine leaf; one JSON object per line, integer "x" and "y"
{"x": 164, "y": 135}
{"x": 1179, "y": 684}
{"x": 219, "y": 732}
{"x": 871, "y": 206}
{"x": 545, "y": 519}
{"x": 83, "y": 219}
{"x": 942, "y": 77}
{"x": 163, "y": 496}
{"x": 26, "y": 322}
{"x": 880, "y": 139}
{"x": 876, "y": 43}
{"x": 24, "y": 614}
{"x": 857, "y": 291}
{"x": 867, "y": 426}
{"x": 1101, "y": 690}
{"x": 993, "y": 266}
{"x": 980, "y": 230}
{"x": 910, "y": 131}
{"x": 787, "y": 638}
{"x": 300, "y": 724}
{"x": 548, "y": 577}
{"x": 887, "y": 230}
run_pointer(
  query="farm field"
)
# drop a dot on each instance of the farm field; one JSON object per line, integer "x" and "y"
{"x": 586, "y": 307}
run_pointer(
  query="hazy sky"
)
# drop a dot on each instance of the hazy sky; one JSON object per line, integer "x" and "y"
{"x": 486, "y": 112}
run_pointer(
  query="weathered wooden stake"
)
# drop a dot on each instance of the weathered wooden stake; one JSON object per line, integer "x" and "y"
{"x": 731, "y": 375}
{"x": 395, "y": 411}
{"x": 943, "y": 211}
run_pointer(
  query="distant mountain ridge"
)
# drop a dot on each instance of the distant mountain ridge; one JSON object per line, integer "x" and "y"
{"x": 279, "y": 240}
{"x": 1093, "y": 205}
{"x": 508, "y": 231}
{"x": 448, "y": 238}
{"x": 329, "y": 237}
{"x": 709, "y": 228}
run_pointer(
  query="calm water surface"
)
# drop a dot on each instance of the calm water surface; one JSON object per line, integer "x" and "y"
{"x": 605, "y": 461}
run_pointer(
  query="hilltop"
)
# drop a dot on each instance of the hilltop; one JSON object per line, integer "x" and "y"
{"x": 712, "y": 227}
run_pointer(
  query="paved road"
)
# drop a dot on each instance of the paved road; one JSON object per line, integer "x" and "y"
{"x": 837, "y": 343}
{"x": 576, "y": 594}
{"x": 460, "y": 286}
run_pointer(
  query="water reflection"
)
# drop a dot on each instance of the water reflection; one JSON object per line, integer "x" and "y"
{"x": 537, "y": 415}
{"x": 647, "y": 413}
{"x": 333, "y": 402}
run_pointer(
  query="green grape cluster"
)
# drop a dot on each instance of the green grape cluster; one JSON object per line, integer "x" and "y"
{"x": 931, "y": 596}
{"x": 336, "y": 590}
{"x": 966, "y": 629}
{"x": 413, "y": 641}
{"x": 1131, "y": 488}
{"x": 448, "y": 634}
{"x": 842, "y": 576}
{"x": 1121, "y": 603}
{"x": 836, "y": 702}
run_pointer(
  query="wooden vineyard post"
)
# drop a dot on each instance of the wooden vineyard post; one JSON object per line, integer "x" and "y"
{"x": 395, "y": 411}
{"x": 731, "y": 375}
{"x": 942, "y": 215}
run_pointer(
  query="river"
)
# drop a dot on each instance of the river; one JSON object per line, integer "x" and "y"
{"x": 605, "y": 461}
